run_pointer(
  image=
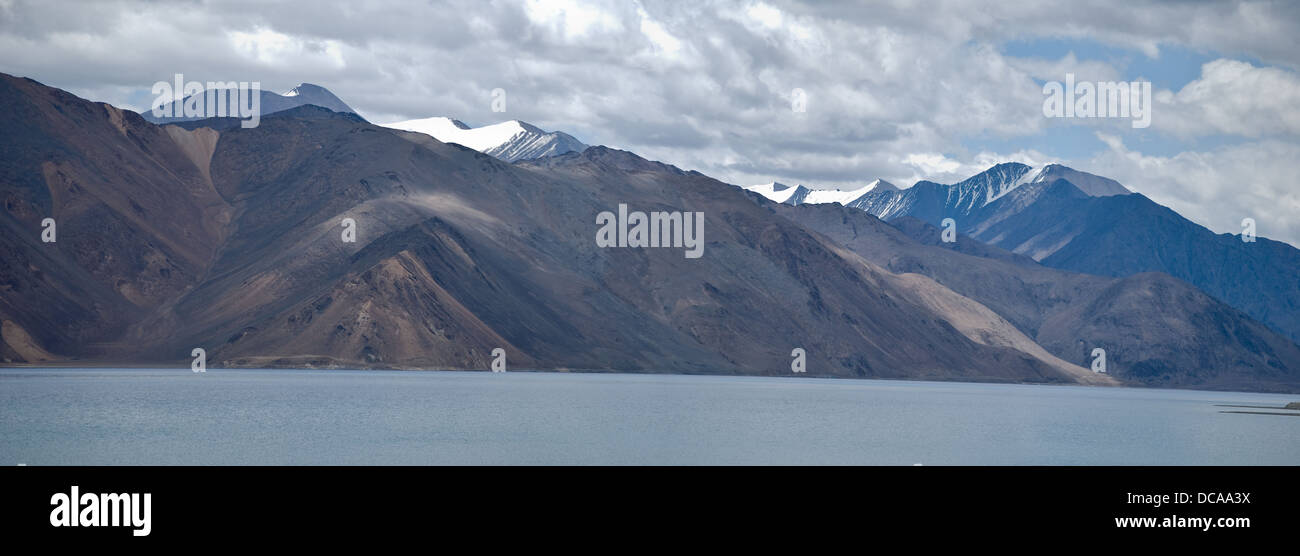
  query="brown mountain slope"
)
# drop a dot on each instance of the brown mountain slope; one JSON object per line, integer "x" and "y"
{"x": 137, "y": 222}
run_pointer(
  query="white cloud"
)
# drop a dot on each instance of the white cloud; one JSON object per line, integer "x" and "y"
{"x": 270, "y": 48}
{"x": 573, "y": 20}
{"x": 932, "y": 164}
{"x": 1234, "y": 98}
{"x": 664, "y": 41}
{"x": 764, "y": 15}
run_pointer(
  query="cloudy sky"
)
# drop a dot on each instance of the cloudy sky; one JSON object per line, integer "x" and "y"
{"x": 898, "y": 90}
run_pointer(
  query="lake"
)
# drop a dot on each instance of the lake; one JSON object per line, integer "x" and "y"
{"x": 292, "y": 417}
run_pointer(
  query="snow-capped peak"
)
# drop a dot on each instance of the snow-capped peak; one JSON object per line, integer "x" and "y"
{"x": 1003, "y": 178}
{"x": 780, "y": 192}
{"x": 846, "y": 196}
{"x": 303, "y": 94}
{"x": 1090, "y": 184}
{"x": 509, "y": 140}
{"x": 437, "y": 122}
{"x": 998, "y": 180}
{"x": 881, "y": 185}
{"x": 304, "y": 88}
{"x": 798, "y": 194}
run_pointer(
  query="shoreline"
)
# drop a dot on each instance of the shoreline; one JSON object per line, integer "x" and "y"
{"x": 184, "y": 365}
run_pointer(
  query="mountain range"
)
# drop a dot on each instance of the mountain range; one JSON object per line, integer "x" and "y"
{"x": 1101, "y": 228}
{"x": 927, "y": 199}
{"x": 205, "y": 234}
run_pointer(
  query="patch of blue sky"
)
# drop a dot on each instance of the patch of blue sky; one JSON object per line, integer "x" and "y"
{"x": 1076, "y": 139}
{"x": 1175, "y": 67}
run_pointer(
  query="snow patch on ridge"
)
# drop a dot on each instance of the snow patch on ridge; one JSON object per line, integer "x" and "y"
{"x": 510, "y": 140}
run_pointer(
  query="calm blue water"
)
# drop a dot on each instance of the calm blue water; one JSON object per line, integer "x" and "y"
{"x": 275, "y": 417}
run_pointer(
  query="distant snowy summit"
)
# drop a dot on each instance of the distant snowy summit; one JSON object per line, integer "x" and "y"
{"x": 798, "y": 194}
{"x": 509, "y": 141}
{"x": 302, "y": 95}
{"x": 1092, "y": 184}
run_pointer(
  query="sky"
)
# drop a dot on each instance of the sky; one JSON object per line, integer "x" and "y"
{"x": 903, "y": 91}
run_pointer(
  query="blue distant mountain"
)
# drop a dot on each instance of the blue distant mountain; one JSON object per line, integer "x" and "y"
{"x": 1129, "y": 234}
{"x": 932, "y": 202}
{"x": 1107, "y": 231}
{"x": 302, "y": 95}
